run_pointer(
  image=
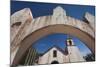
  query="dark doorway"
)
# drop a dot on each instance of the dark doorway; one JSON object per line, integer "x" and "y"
{"x": 55, "y": 62}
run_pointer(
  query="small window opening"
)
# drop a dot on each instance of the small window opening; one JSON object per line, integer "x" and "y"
{"x": 54, "y": 53}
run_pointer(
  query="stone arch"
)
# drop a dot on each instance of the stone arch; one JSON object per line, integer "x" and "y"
{"x": 51, "y": 29}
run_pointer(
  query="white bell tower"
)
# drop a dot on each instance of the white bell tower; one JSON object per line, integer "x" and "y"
{"x": 73, "y": 52}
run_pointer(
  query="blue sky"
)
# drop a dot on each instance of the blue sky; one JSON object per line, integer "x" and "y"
{"x": 41, "y": 9}
{"x": 59, "y": 39}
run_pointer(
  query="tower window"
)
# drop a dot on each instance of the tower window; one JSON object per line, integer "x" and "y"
{"x": 70, "y": 42}
{"x": 54, "y": 53}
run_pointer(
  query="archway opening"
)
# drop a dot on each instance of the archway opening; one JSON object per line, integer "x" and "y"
{"x": 60, "y": 28}
{"x": 43, "y": 45}
{"x": 54, "y": 62}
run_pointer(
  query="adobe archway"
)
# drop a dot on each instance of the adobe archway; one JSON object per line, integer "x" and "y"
{"x": 51, "y": 29}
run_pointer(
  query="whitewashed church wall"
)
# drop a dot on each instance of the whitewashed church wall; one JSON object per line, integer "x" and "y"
{"x": 48, "y": 57}
{"x": 74, "y": 54}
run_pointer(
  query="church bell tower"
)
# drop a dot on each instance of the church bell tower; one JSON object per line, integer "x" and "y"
{"x": 69, "y": 42}
{"x": 73, "y": 51}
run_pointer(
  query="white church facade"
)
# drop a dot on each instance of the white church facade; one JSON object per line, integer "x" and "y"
{"x": 56, "y": 55}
